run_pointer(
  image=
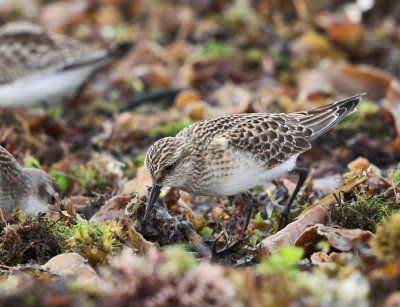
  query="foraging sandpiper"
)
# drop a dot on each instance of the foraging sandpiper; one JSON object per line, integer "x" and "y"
{"x": 28, "y": 189}
{"x": 37, "y": 66}
{"x": 232, "y": 154}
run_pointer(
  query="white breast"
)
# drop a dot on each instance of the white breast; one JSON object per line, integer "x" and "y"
{"x": 50, "y": 87}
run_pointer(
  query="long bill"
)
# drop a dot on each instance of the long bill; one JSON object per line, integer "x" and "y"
{"x": 154, "y": 193}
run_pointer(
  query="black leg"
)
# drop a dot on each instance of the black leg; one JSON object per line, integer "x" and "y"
{"x": 285, "y": 214}
{"x": 249, "y": 208}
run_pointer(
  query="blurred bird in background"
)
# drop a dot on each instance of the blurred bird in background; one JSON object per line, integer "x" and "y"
{"x": 41, "y": 67}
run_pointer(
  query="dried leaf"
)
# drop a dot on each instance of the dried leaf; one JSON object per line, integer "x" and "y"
{"x": 320, "y": 258}
{"x": 290, "y": 233}
{"x": 341, "y": 239}
{"x": 139, "y": 184}
{"x": 112, "y": 209}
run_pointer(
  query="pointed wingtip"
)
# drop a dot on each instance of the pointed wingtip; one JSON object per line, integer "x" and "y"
{"x": 358, "y": 96}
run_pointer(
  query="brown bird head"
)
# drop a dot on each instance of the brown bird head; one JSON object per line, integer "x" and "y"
{"x": 170, "y": 164}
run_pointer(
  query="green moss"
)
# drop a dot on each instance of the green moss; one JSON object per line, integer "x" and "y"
{"x": 122, "y": 31}
{"x": 28, "y": 239}
{"x": 55, "y": 112}
{"x": 368, "y": 119}
{"x": 170, "y": 129}
{"x": 178, "y": 259}
{"x": 139, "y": 160}
{"x": 94, "y": 241}
{"x": 89, "y": 178}
{"x": 31, "y": 162}
{"x": 363, "y": 211}
{"x": 108, "y": 107}
{"x": 62, "y": 179}
{"x": 217, "y": 49}
{"x": 259, "y": 220}
{"x": 257, "y": 237}
{"x": 205, "y": 231}
{"x": 285, "y": 260}
{"x": 394, "y": 175}
{"x": 252, "y": 55}
{"x": 386, "y": 243}
{"x": 38, "y": 238}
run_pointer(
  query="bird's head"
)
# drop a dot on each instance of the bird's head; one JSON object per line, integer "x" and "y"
{"x": 43, "y": 185}
{"x": 170, "y": 163}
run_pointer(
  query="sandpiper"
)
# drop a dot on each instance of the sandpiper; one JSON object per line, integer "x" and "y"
{"x": 41, "y": 67}
{"x": 229, "y": 155}
{"x": 28, "y": 189}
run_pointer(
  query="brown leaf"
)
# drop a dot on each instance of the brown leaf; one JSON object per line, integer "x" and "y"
{"x": 346, "y": 31}
{"x": 345, "y": 79}
{"x": 72, "y": 265}
{"x": 320, "y": 258}
{"x": 362, "y": 164}
{"x": 314, "y": 44}
{"x": 392, "y": 104}
{"x": 393, "y": 300}
{"x": 112, "y": 209}
{"x": 233, "y": 99}
{"x": 138, "y": 184}
{"x": 290, "y": 234}
{"x": 56, "y": 15}
{"x": 341, "y": 239}
{"x": 134, "y": 237}
{"x": 186, "y": 98}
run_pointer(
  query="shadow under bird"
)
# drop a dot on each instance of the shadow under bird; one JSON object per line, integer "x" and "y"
{"x": 41, "y": 67}
{"x": 29, "y": 189}
{"x": 230, "y": 155}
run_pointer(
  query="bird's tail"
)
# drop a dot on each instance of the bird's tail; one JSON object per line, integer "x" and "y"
{"x": 322, "y": 119}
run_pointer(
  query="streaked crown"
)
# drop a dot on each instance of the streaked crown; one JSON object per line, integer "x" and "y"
{"x": 168, "y": 161}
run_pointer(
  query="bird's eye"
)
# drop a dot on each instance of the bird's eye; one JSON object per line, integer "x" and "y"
{"x": 53, "y": 200}
{"x": 169, "y": 168}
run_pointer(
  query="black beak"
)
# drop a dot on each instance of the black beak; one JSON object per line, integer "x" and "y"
{"x": 154, "y": 193}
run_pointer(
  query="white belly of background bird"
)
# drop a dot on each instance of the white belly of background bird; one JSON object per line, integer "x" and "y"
{"x": 37, "y": 66}
{"x": 49, "y": 87}
{"x": 232, "y": 154}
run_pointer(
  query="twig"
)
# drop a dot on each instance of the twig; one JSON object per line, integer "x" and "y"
{"x": 2, "y": 218}
{"x": 168, "y": 94}
{"x": 123, "y": 241}
{"x": 229, "y": 247}
{"x": 6, "y": 267}
{"x": 328, "y": 199}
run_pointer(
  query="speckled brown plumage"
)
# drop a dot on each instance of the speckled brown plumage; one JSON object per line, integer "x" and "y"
{"x": 206, "y": 156}
{"x": 232, "y": 154}
{"x": 26, "y": 188}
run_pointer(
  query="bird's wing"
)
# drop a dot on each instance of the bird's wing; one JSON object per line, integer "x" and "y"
{"x": 27, "y": 48}
{"x": 271, "y": 138}
{"x": 204, "y": 131}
